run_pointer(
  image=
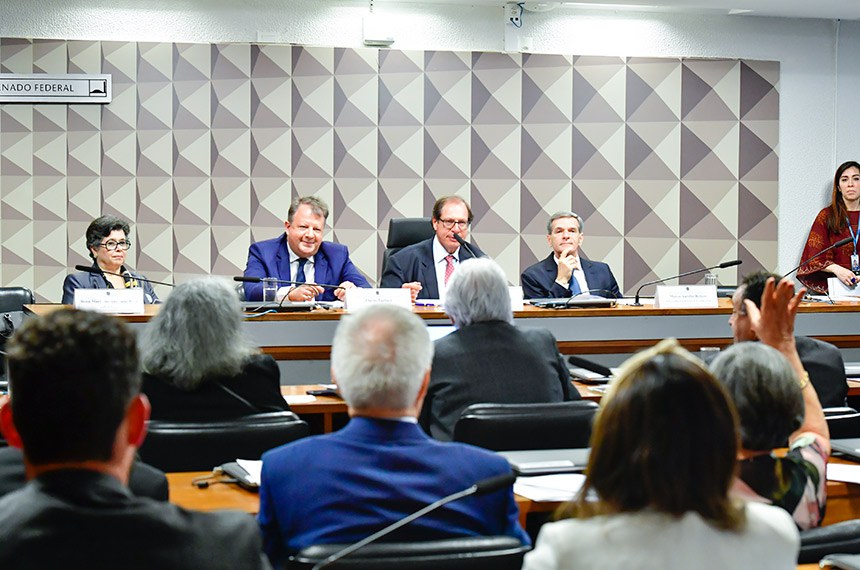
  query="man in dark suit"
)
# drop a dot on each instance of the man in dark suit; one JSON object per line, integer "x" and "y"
{"x": 488, "y": 359}
{"x": 77, "y": 413}
{"x": 821, "y": 360}
{"x": 564, "y": 272}
{"x": 426, "y": 267}
{"x": 301, "y": 255}
{"x": 344, "y": 486}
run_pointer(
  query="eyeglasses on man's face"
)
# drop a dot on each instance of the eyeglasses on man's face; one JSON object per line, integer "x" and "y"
{"x": 448, "y": 224}
{"x": 113, "y": 245}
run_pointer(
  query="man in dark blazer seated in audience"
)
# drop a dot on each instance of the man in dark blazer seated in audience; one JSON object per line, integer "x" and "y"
{"x": 488, "y": 359}
{"x": 564, "y": 272}
{"x": 77, "y": 413}
{"x": 425, "y": 267}
{"x": 344, "y": 486}
{"x": 821, "y": 360}
{"x": 301, "y": 255}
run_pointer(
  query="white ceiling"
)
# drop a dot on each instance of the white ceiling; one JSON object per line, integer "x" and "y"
{"x": 823, "y": 9}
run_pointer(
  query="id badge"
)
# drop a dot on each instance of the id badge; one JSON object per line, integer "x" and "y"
{"x": 855, "y": 263}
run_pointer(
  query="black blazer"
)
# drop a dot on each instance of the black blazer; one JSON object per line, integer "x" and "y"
{"x": 538, "y": 280}
{"x": 493, "y": 362}
{"x": 258, "y": 383}
{"x": 415, "y": 263}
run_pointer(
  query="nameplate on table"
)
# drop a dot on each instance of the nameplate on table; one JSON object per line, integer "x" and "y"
{"x": 838, "y": 291}
{"x": 685, "y": 296}
{"x": 516, "y": 293}
{"x": 360, "y": 297}
{"x": 113, "y": 301}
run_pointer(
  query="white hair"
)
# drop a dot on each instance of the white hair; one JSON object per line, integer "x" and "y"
{"x": 477, "y": 292}
{"x": 197, "y": 334}
{"x": 379, "y": 357}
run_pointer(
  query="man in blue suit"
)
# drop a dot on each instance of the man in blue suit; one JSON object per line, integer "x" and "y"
{"x": 301, "y": 255}
{"x": 564, "y": 273}
{"x": 344, "y": 486}
{"x": 425, "y": 267}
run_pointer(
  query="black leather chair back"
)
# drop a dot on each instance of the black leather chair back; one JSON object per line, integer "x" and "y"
{"x": 472, "y": 553}
{"x": 512, "y": 427}
{"x": 12, "y": 301}
{"x": 839, "y": 538}
{"x": 14, "y": 298}
{"x": 843, "y": 423}
{"x": 403, "y": 232}
{"x": 200, "y": 446}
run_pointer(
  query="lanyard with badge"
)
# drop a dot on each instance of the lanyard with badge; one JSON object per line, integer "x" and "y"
{"x": 855, "y": 259}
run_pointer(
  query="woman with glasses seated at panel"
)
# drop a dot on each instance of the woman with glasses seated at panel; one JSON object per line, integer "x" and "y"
{"x": 108, "y": 243}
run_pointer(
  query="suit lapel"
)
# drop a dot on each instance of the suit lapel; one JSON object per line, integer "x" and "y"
{"x": 283, "y": 259}
{"x": 428, "y": 271}
{"x": 321, "y": 268}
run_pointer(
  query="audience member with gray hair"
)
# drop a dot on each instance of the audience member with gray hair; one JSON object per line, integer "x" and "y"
{"x": 777, "y": 404}
{"x": 197, "y": 363}
{"x": 488, "y": 359}
{"x": 343, "y": 486}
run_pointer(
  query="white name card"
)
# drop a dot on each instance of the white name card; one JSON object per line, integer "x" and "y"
{"x": 360, "y": 297}
{"x": 839, "y": 292}
{"x": 685, "y": 296}
{"x": 114, "y": 301}
{"x": 516, "y": 293}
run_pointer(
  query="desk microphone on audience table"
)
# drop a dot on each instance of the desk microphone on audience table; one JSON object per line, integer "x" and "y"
{"x": 839, "y": 243}
{"x": 722, "y": 265}
{"x": 482, "y": 487}
{"x": 125, "y": 274}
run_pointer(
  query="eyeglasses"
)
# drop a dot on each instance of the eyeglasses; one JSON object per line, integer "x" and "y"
{"x": 448, "y": 224}
{"x": 113, "y": 245}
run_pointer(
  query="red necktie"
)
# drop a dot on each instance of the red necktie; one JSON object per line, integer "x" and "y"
{"x": 449, "y": 269}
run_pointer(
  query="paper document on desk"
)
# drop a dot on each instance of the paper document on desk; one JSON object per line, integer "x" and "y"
{"x": 844, "y": 473}
{"x": 253, "y": 467}
{"x": 561, "y": 487}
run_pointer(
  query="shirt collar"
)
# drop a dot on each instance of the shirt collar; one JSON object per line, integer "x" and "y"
{"x": 440, "y": 253}
{"x": 294, "y": 257}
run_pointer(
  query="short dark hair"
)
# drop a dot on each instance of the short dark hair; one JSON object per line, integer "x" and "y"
{"x": 753, "y": 285}
{"x": 766, "y": 393}
{"x": 440, "y": 203}
{"x": 317, "y": 206}
{"x": 665, "y": 439}
{"x": 72, "y": 375}
{"x": 101, "y": 228}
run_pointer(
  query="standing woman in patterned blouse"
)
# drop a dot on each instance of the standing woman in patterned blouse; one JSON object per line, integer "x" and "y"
{"x": 837, "y": 221}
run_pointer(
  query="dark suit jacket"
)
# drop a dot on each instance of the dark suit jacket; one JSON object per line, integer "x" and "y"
{"x": 84, "y": 519}
{"x": 826, "y": 370}
{"x": 415, "y": 263}
{"x": 144, "y": 480}
{"x": 83, "y": 280}
{"x": 271, "y": 258}
{"x": 538, "y": 280}
{"x": 346, "y": 485}
{"x": 258, "y": 383}
{"x": 492, "y": 362}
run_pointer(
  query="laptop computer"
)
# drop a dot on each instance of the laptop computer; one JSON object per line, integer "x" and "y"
{"x": 285, "y": 307}
{"x": 547, "y": 461}
{"x": 849, "y": 447}
{"x": 589, "y": 301}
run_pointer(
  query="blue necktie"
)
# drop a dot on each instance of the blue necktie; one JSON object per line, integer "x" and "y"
{"x": 300, "y": 272}
{"x": 574, "y": 285}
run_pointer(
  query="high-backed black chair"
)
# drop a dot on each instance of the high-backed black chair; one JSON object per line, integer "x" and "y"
{"x": 403, "y": 232}
{"x": 200, "y": 446}
{"x": 12, "y": 301}
{"x": 839, "y": 538}
{"x": 843, "y": 422}
{"x": 472, "y": 553}
{"x": 511, "y": 427}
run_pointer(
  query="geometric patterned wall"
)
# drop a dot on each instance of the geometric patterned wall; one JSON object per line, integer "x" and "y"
{"x": 672, "y": 162}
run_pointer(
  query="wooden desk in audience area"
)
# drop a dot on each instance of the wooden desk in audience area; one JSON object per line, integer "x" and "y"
{"x": 615, "y": 330}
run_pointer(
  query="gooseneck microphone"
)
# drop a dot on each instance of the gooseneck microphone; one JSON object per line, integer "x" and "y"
{"x": 722, "y": 265}
{"x": 839, "y": 243}
{"x": 99, "y": 271}
{"x": 243, "y": 279}
{"x": 482, "y": 487}
{"x": 465, "y": 245}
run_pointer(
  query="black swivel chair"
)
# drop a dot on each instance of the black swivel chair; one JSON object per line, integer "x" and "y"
{"x": 839, "y": 538}
{"x": 512, "y": 427}
{"x": 200, "y": 446}
{"x": 403, "y": 232}
{"x": 12, "y": 301}
{"x": 472, "y": 553}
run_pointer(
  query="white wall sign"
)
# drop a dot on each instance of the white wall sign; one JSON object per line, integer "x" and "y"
{"x": 46, "y": 88}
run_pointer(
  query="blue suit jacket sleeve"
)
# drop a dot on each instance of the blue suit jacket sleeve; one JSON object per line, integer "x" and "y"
{"x": 538, "y": 281}
{"x": 256, "y": 267}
